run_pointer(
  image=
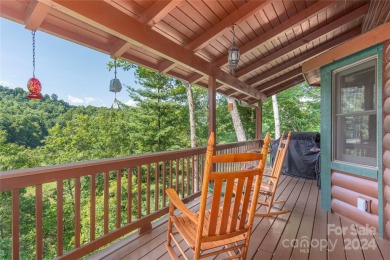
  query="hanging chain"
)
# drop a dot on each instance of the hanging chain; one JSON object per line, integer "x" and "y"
{"x": 115, "y": 68}
{"x": 234, "y": 35}
{"x": 33, "y": 52}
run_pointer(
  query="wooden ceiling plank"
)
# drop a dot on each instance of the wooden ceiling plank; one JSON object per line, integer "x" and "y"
{"x": 119, "y": 48}
{"x": 361, "y": 42}
{"x": 35, "y": 14}
{"x": 290, "y": 23}
{"x": 285, "y": 85}
{"x": 230, "y": 92}
{"x": 140, "y": 35}
{"x": 280, "y": 79}
{"x": 158, "y": 11}
{"x": 236, "y": 17}
{"x": 166, "y": 66}
{"x": 270, "y": 84}
{"x": 302, "y": 41}
{"x": 313, "y": 52}
{"x": 195, "y": 78}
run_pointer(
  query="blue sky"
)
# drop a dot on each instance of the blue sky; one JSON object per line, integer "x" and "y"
{"x": 77, "y": 74}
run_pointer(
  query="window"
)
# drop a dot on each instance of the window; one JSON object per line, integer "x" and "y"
{"x": 355, "y": 113}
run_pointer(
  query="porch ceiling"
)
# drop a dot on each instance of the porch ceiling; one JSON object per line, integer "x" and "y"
{"x": 190, "y": 39}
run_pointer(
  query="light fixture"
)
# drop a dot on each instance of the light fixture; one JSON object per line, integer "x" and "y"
{"x": 115, "y": 86}
{"x": 33, "y": 84}
{"x": 234, "y": 54}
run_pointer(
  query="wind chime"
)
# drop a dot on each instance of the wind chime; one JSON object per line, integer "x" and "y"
{"x": 115, "y": 86}
{"x": 33, "y": 84}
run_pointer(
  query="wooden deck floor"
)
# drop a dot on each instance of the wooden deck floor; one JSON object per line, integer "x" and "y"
{"x": 308, "y": 232}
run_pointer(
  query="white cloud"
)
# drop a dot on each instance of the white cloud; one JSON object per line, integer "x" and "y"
{"x": 131, "y": 103}
{"x": 84, "y": 101}
{"x": 6, "y": 83}
{"x": 89, "y": 99}
{"x": 75, "y": 100}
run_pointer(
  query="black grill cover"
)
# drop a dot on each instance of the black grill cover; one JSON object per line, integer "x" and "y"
{"x": 302, "y": 157}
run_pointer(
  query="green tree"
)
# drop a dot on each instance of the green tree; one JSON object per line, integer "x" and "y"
{"x": 299, "y": 110}
{"x": 158, "y": 119}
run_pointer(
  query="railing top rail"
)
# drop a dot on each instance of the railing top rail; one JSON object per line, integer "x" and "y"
{"x": 45, "y": 174}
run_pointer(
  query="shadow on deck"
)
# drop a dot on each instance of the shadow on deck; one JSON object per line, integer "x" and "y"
{"x": 308, "y": 232}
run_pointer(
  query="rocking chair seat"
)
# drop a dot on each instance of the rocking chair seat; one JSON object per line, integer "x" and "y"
{"x": 188, "y": 230}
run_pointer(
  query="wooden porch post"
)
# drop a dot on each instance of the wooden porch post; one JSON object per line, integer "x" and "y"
{"x": 212, "y": 106}
{"x": 259, "y": 119}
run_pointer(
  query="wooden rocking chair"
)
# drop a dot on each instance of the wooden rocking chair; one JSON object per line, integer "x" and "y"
{"x": 225, "y": 224}
{"x": 268, "y": 188}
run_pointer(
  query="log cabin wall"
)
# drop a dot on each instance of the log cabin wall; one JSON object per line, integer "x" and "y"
{"x": 386, "y": 138}
{"x": 345, "y": 191}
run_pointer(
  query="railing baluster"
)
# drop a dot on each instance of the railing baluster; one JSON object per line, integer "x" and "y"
{"x": 188, "y": 176}
{"x": 15, "y": 224}
{"x": 77, "y": 210}
{"x": 177, "y": 176}
{"x": 164, "y": 184}
{"x": 38, "y": 222}
{"x": 182, "y": 177}
{"x": 60, "y": 221}
{"x": 170, "y": 174}
{"x": 106, "y": 200}
{"x": 156, "y": 187}
{"x": 129, "y": 193}
{"x": 92, "y": 209}
{"x": 193, "y": 174}
{"x": 199, "y": 171}
{"x": 139, "y": 193}
{"x": 118, "y": 197}
{"x": 148, "y": 190}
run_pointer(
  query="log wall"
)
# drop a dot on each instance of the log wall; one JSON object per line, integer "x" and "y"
{"x": 386, "y": 138}
{"x": 345, "y": 191}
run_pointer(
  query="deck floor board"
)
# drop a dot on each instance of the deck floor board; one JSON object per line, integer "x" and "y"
{"x": 307, "y": 224}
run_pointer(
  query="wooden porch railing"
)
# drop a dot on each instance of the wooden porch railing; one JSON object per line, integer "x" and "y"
{"x": 109, "y": 198}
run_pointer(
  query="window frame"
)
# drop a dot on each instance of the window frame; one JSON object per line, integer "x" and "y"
{"x": 361, "y": 161}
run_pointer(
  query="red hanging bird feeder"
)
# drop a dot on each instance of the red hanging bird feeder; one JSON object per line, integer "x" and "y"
{"x": 33, "y": 84}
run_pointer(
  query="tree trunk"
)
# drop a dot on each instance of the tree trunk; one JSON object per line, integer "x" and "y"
{"x": 276, "y": 116}
{"x": 191, "y": 108}
{"x": 240, "y": 132}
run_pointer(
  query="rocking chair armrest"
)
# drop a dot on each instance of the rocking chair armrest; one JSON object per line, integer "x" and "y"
{"x": 176, "y": 201}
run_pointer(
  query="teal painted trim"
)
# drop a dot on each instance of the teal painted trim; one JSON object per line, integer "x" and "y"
{"x": 381, "y": 218}
{"x": 326, "y": 129}
{"x": 350, "y": 59}
{"x": 355, "y": 169}
{"x": 326, "y": 137}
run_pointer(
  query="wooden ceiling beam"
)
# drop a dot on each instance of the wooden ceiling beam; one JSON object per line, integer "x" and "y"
{"x": 158, "y": 11}
{"x": 35, "y": 14}
{"x": 165, "y": 66}
{"x": 119, "y": 48}
{"x": 134, "y": 32}
{"x": 245, "y": 11}
{"x": 279, "y": 80}
{"x": 297, "y": 19}
{"x": 276, "y": 81}
{"x": 304, "y": 40}
{"x": 193, "y": 79}
{"x": 307, "y": 55}
{"x": 285, "y": 85}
